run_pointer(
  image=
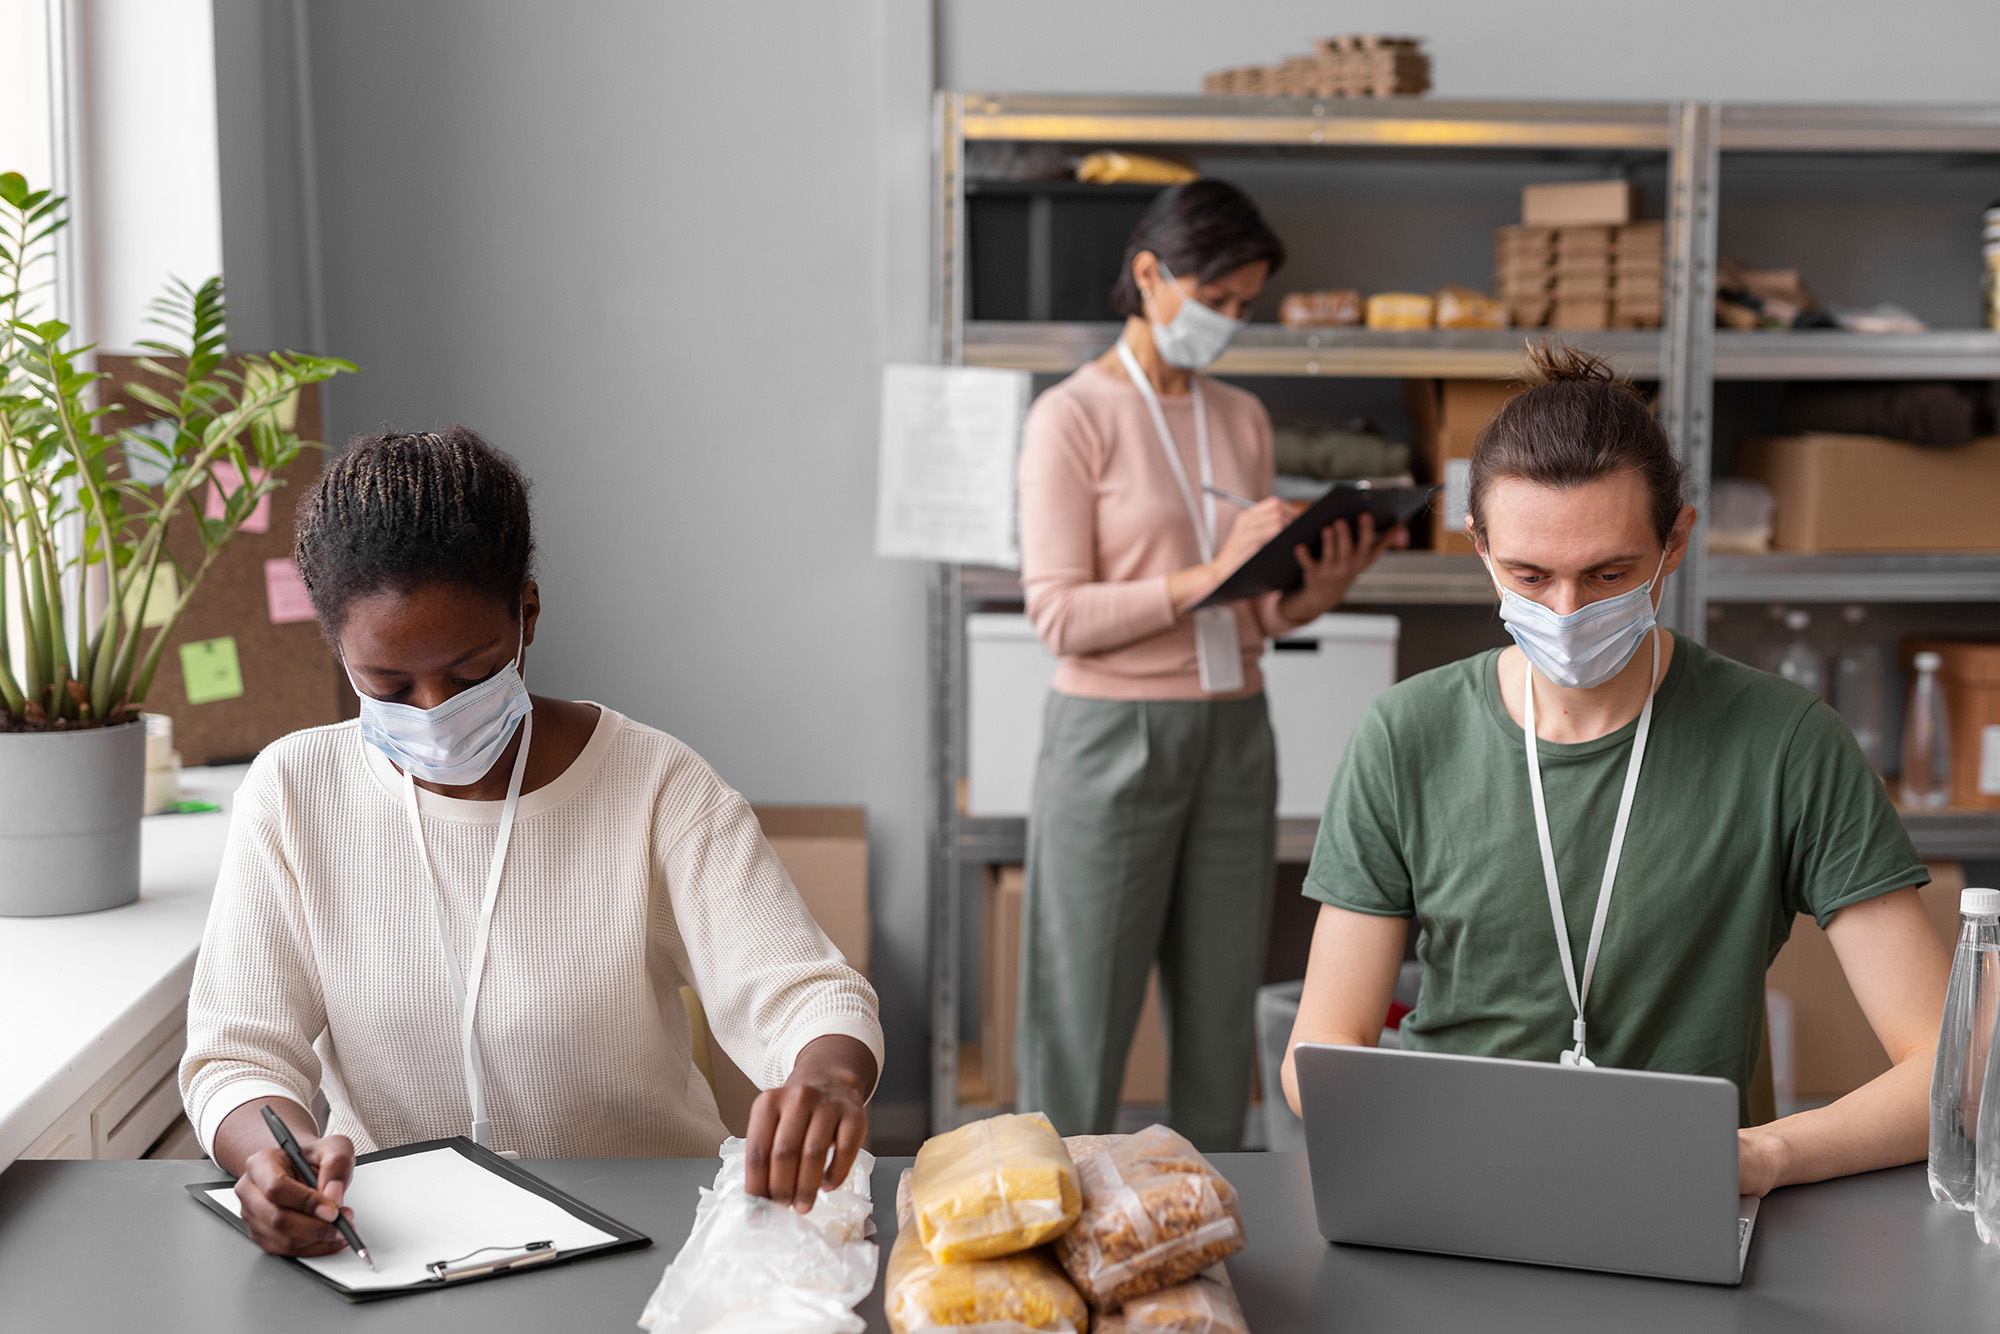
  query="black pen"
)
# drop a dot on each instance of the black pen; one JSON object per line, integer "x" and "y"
{"x": 283, "y": 1134}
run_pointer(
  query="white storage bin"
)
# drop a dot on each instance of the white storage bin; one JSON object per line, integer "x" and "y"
{"x": 1319, "y": 681}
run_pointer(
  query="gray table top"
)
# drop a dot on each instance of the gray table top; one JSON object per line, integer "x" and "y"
{"x": 120, "y": 1246}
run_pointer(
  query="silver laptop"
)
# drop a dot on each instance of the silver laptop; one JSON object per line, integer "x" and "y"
{"x": 1628, "y": 1171}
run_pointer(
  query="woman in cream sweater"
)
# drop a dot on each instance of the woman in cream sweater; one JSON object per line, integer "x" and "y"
{"x": 470, "y": 912}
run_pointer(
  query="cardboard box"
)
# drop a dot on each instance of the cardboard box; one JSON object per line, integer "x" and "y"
{"x": 1970, "y": 676}
{"x": 999, "y": 979}
{"x": 1581, "y": 313}
{"x": 1583, "y": 286}
{"x": 825, "y": 851}
{"x": 999, "y": 998}
{"x": 1867, "y": 493}
{"x": 1834, "y": 1051}
{"x": 1577, "y": 204}
{"x": 1446, "y": 417}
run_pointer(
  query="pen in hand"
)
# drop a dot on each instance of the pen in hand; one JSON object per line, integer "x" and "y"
{"x": 1243, "y": 502}
{"x": 283, "y": 1134}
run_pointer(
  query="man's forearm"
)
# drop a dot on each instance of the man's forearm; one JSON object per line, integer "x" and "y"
{"x": 1884, "y": 1123}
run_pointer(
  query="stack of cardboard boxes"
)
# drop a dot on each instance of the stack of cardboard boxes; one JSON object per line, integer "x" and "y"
{"x": 1353, "y": 65}
{"x": 1578, "y": 261}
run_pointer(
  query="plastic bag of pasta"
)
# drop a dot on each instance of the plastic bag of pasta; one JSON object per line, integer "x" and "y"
{"x": 1024, "y": 1293}
{"x": 1155, "y": 1213}
{"x": 993, "y": 1187}
{"x": 1202, "y": 1305}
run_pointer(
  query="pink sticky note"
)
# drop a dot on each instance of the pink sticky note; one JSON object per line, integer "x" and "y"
{"x": 218, "y": 498}
{"x": 286, "y": 592}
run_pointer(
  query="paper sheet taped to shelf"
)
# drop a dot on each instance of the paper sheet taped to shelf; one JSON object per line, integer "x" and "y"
{"x": 950, "y": 435}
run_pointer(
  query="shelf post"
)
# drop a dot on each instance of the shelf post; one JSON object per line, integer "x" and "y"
{"x": 945, "y": 648}
{"x": 1687, "y": 381}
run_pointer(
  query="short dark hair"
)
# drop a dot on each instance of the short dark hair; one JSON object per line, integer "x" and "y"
{"x": 1576, "y": 422}
{"x": 1203, "y": 230}
{"x": 398, "y": 511}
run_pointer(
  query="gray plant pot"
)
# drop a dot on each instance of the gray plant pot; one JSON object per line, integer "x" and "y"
{"x": 69, "y": 819}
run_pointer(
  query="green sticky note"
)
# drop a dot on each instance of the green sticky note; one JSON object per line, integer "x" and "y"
{"x": 211, "y": 670}
{"x": 152, "y": 608}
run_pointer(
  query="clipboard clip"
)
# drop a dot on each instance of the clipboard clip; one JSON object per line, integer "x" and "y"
{"x": 511, "y": 1257}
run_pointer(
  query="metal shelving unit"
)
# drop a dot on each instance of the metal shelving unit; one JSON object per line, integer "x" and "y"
{"x": 1685, "y": 358}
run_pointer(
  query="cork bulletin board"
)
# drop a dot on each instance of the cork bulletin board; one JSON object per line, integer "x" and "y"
{"x": 283, "y": 677}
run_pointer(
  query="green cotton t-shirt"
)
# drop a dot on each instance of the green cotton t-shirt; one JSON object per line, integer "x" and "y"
{"x": 1754, "y": 803}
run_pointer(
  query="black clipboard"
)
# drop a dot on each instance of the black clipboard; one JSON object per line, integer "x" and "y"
{"x": 626, "y": 1238}
{"x": 1275, "y": 569}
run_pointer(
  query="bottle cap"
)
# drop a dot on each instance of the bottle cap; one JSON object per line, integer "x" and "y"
{"x": 1929, "y": 662}
{"x": 1979, "y": 903}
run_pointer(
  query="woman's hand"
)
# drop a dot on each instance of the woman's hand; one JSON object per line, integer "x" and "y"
{"x": 1342, "y": 557}
{"x": 1253, "y": 528}
{"x": 820, "y": 1109}
{"x": 285, "y": 1215}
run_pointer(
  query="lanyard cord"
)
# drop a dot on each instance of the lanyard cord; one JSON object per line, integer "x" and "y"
{"x": 1204, "y": 532}
{"x": 1578, "y": 994}
{"x": 467, "y": 999}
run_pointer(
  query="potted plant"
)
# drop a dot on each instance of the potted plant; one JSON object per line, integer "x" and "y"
{"x": 83, "y": 526}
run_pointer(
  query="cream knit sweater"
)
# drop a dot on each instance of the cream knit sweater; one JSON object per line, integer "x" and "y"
{"x": 635, "y": 872}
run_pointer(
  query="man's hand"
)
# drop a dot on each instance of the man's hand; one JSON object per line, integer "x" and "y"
{"x": 1759, "y": 1155}
{"x": 820, "y": 1109}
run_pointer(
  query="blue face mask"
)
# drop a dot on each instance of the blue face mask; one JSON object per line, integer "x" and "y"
{"x": 1585, "y": 647}
{"x": 460, "y": 740}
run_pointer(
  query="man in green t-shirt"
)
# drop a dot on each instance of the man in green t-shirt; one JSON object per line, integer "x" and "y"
{"x": 1679, "y": 807}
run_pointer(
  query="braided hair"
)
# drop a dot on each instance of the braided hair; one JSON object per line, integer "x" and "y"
{"x": 398, "y": 511}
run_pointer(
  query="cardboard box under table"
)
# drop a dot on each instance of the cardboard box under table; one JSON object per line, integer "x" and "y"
{"x": 1867, "y": 493}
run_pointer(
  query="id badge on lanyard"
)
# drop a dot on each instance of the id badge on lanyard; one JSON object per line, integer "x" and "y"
{"x": 1218, "y": 654}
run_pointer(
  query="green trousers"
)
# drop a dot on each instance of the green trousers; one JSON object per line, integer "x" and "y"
{"x": 1151, "y": 836}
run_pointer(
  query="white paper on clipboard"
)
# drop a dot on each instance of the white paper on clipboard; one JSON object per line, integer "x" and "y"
{"x": 945, "y": 486}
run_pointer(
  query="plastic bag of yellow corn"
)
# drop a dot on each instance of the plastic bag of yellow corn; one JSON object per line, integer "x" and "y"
{"x": 1024, "y": 1293}
{"x": 993, "y": 1187}
{"x": 1204, "y": 1305}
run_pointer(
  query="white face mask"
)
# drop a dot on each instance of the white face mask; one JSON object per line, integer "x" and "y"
{"x": 458, "y": 741}
{"x": 1196, "y": 336}
{"x": 1588, "y": 646}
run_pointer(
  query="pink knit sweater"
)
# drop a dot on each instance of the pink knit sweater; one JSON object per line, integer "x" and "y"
{"x": 1103, "y": 524}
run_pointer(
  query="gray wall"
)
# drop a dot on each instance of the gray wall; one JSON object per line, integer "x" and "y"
{"x": 1742, "y": 50}
{"x": 659, "y": 253}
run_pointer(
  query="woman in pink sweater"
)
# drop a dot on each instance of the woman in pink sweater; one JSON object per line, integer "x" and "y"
{"x": 1152, "y": 826}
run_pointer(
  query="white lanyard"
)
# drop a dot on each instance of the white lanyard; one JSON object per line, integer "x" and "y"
{"x": 467, "y": 999}
{"x": 1202, "y": 516}
{"x": 1578, "y": 994}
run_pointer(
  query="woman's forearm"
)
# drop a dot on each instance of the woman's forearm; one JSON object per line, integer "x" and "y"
{"x": 243, "y": 1131}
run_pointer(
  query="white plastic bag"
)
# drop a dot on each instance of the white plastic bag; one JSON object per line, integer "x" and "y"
{"x": 750, "y": 1264}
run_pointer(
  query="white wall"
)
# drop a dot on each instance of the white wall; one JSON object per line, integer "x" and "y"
{"x": 1742, "y": 50}
{"x": 659, "y": 253}
{"x": 150, "y": 191}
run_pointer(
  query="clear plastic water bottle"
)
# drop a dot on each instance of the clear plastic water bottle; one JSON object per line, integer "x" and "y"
{"x": 1861, "y": 690}
{"x": 1801, "y": 663}
{"x": 1958, "y": 1079}
{"x": 1926, "y": 739}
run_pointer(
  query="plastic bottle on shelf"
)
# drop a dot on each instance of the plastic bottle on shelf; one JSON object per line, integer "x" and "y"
{"x": 1861, "y": 690}
{"x": 1926, "y": 739}
{"x": 1965, "y": 1039}
{"x": 1800, "y": 663}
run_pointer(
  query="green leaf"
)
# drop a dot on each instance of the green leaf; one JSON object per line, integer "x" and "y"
{"x": 14, "y": 188}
